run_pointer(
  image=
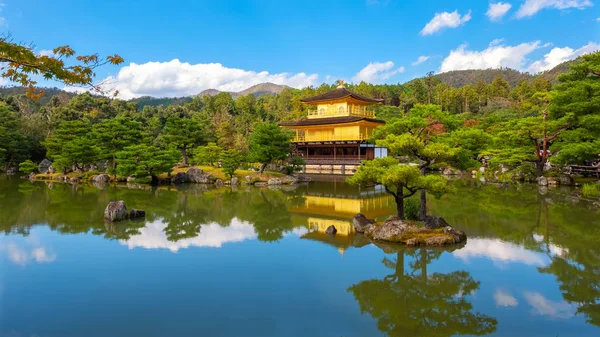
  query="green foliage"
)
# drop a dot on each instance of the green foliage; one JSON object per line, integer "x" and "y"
{"x": 268, "y": 143}
{"x": 27, "y": 167}
{"x": 231, "y": 161}
{"x": 296, "y": 163}
{"x": 145, "y": 160}
{"x": 591, "y": 190}
{"x": 411, "y": 209}
{"x": 183, "y": 133}
{"x": 208, "y": 154}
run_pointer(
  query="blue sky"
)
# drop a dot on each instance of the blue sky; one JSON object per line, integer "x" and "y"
{"x": 183, "y": 47}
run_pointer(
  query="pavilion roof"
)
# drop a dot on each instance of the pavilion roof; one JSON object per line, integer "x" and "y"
{"x": 338, "y": 94}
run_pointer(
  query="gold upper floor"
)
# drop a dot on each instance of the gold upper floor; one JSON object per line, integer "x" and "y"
{"x": 340, "y": 109}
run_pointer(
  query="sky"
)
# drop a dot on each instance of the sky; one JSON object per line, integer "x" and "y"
{"x": 180, "y": 48}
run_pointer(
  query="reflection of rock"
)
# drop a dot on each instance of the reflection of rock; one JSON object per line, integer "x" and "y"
{"x": 395, "y": 230}
{"x": 219, "y": 183}
{"x": 275, "y": 181}
{"x": 435, "y": 222}
{"x": 117, "y": 211}
{"x": 303, "y": 179}
{"x": 361, "y": 222}
{"x": 331, "y": 230}
{"x": 234, "y": 181}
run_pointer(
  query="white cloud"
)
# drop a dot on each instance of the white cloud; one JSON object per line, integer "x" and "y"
{"x": 495, "y": 56}
{"x": 176, "y": 78}
{"x": 377, "y": 71}
{"x": 557, "y": 56}
{"x": 46, "y": 52}
{"x": 22, "y": 255}
{"x": 153, "y": 236}
{"x": 500, "y": 252}
{"x": 531, "y": 7}
{"x": 445, "y": 19}
{"x": 420, "y": 60}
{"x": 505, "y": 299}
{"x": 598, "y": 19}
{"x": 545, "y": 307}
{"x": 498, "y": 10}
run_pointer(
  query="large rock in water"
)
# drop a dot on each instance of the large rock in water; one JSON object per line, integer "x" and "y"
{"x": 44, "y": 165}
{"x": 401, "y": 231}
{"x": 361, "y": 223}
{"x": 180, "y": 178}
{"x": 196, "y": 175}
{"x": 117, "y": 211}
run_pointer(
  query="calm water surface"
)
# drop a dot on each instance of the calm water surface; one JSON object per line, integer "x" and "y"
{"x": 254, "y": 262}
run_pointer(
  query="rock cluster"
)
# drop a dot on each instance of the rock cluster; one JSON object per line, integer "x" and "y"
{"x": 434, "y": 232}
{"x": 117, "y": 211}
{"x": 193, "y": 175}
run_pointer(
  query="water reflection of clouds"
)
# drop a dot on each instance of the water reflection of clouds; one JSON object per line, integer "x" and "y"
{"x": 29, "y": 250}
{"x": 504, "y": 299}
{"x": 543, "y": 306}
{"x": 153, "y": 236}
{"x": 500, "y": 251}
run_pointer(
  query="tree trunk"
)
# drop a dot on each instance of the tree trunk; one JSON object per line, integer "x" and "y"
{"x": 400, "y": 265}
{"x": 154, "y": 181}
{"x": 184, "y": 155}
{"x": 539, "y": 168}
{"x": 262, "y": 168}
{"x": 400, "y": 207}
{"x": 423, "y": 205}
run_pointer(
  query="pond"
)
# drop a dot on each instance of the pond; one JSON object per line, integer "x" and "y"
{"x": 255, "y": 262}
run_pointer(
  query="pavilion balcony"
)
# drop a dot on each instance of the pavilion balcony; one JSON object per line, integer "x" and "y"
{"x": 329, "y": 138}
{"x": 333, "y": 112}
{"x": 338, "y": 160}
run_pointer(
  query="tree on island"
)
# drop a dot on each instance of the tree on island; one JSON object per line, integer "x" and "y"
{"x": 21, "y": 65}
{"x": 113, "y": 135}
{"x": 145, "y": 160}
{"x": 183, "y": 133}
{"x": 27, "y": 167}
{"x": 415, "y": 136}
{"x": 401, "y": 181}
{"x": 269, "y": 143}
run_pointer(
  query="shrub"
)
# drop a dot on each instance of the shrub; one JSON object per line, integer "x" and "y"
{"x": 591, "y": 190}
{"x": 231, "y": 161}
{"x": 411, "y": 209}
{"x": 28, "y": 167}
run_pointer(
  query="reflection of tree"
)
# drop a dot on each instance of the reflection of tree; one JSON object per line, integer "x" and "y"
{"x": 268, "y": 211}
{"x": 406, "y": 304}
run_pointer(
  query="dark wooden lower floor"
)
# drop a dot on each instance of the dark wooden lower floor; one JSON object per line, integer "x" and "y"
{"x": 336, "y": 154}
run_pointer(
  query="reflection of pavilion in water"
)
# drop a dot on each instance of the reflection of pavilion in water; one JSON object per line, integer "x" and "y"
{"x": 337, "y": 206}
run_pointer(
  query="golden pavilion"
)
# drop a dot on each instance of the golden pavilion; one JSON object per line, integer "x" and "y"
{"x": 332, "y": 139}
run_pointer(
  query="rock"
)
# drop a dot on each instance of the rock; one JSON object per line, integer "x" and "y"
{"x": 117, "y": 211}
{"x": 260, "y": 184}
{"x": 130, "y": 179}
{"x": 448, "y": 171}
{"x": 275, "y": 181}
{"x": 303, "y": 179}
{"x": 503, "y": 169}
{"x": 361, "y": 222}
{"x": 459, "y": 172}
{"x": 51, "y": 169}
{"x": 101, "y": 178}
{"x": 435, "y": 222}
{"x": 234, "y": 181}
{"x": 482, "y": 169}
{"x": 542, "y": 181}
{"x": 553, "y": 181}
{"x": 31, "y": 176}
{"x": 196, "y": 175}
{"x": 11, "y": 171}
{"x": 248, "y": 179}
{"x": 74, "y": 180}
{"x": 331, "y": 230}
{"x": 566, "y": 180}
{"x": 219, "y": 183}
{"x": 180, "y": 178}
{"x": 289, "y": 180}
{"x": 44, "y": 165}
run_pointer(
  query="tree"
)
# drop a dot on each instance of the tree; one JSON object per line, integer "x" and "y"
{"x": 416, "y": 136}
{"x": 208, "y": 154}
{"x": 183, "y": 133}
{"x": 78, "y": 153}
{"x": 27, "y": 167}
{"x": 232, "y": 159}
{"x": 144, "y": 160}
{"x": 22, "y": 65}
{"x": 401, "y": 181}
{"x": 113, "y": 135}
{"x": 268, "y": 143}
{"x": 14, "y": 146}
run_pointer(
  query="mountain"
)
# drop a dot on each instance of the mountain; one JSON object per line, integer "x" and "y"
{"x": 256, "y": 90}
{"x": 459, "y": 78}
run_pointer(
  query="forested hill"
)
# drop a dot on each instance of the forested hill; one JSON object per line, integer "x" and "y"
{"x": 459, "y": 78}
{"x": 256, "y": 90}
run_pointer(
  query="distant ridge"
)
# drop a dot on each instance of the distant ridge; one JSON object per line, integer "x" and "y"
{"x": 256, "y": 90}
